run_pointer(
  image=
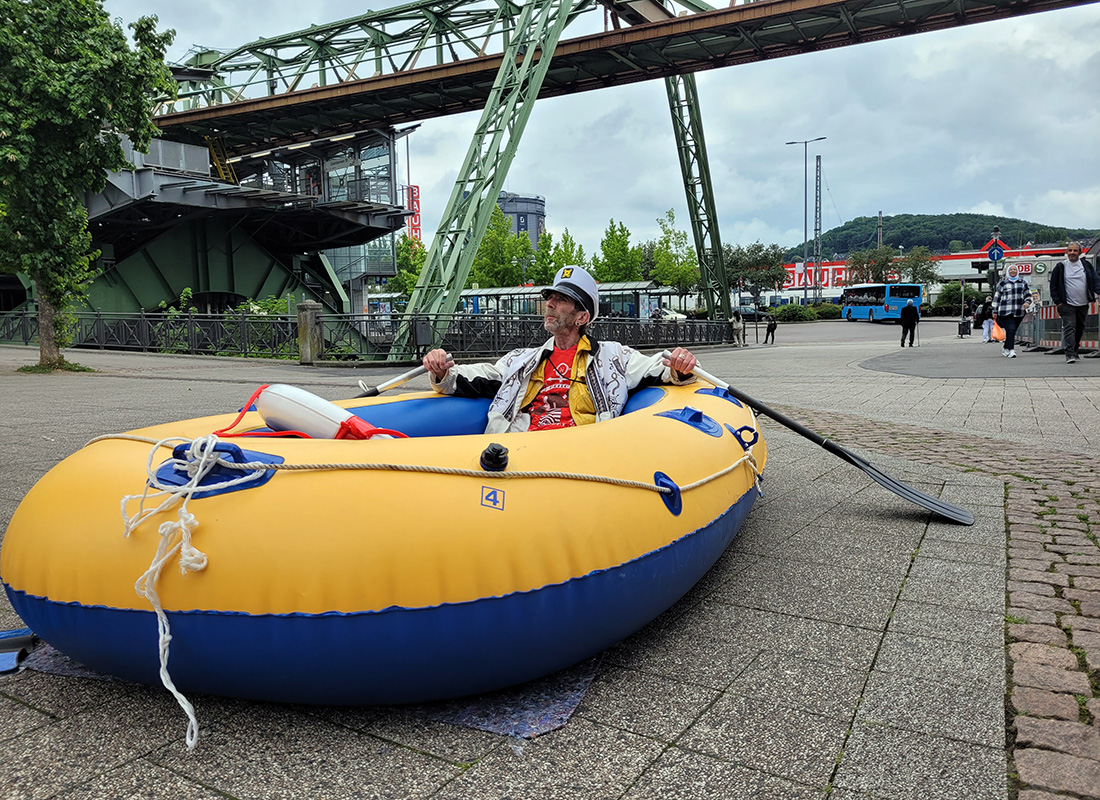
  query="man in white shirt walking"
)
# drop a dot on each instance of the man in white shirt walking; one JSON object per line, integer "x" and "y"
{"x": 1074, "y": 284}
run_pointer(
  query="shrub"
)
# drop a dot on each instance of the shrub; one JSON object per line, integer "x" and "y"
{"x": 948, "y": 298}
{"x": 827, "y": 311}
{"x": 795, "y": 313}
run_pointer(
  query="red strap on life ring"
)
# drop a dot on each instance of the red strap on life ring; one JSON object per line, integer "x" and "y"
{"x": 355, "y": 428}
{"x": 225, "y": 432}
{"x": 351, "y": 428}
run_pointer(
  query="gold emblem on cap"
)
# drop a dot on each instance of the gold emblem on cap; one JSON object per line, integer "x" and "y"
{"x": 567, "y": 272}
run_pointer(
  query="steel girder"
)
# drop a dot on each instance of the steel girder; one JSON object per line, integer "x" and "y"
{"x": 414, "y": 35}
{"x": 687, "y": 124}
{"x": 429, "y": 68}
{"x": 494, "y": 145}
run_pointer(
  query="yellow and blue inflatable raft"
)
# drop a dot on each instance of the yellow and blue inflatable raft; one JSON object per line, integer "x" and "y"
{"x": 389, "y": 570}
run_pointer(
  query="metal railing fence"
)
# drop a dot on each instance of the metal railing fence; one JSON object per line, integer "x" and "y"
{"x": 229, "y": 334}
{"x": 370, "y": 336}
{"x": 346, "y": 337}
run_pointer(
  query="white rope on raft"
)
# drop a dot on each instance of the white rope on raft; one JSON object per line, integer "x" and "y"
{"x": 202, "y": 458}
{"x": 175, "y": 538}
{"x": 260, "y": 467}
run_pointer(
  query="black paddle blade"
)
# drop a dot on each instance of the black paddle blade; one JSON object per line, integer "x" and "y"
{"x": 933, "y": 504}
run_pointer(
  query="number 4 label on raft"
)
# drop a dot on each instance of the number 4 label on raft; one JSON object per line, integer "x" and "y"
{"x": 493, "y": 498}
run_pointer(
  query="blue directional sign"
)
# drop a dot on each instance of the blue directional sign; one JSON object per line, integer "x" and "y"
{"x": 995, "y": 253}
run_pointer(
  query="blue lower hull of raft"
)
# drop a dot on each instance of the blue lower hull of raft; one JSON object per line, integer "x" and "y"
{"x": 392, "y": 656}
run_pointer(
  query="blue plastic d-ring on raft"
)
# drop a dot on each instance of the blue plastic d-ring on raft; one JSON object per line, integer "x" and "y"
{"x": 739, "y": 434}
{"x": 672, "y": 499}
{"x": 168, "y": 474}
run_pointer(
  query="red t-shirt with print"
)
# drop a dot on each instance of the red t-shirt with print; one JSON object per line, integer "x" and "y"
{"x": 550, "y": 408}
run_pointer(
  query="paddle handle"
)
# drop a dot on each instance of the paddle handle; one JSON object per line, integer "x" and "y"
{"x": 374, "y": 391}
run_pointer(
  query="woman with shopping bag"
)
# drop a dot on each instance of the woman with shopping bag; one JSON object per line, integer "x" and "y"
{"x": 1008, "y": 309}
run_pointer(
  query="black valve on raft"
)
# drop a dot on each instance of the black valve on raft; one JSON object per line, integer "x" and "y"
{"x": 494, "y": 458}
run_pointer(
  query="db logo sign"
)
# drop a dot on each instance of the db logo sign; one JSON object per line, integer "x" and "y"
{"x": 1025, "y": 269}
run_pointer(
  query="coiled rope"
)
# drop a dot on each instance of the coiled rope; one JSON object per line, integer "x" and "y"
{"x": 175, "y": 536}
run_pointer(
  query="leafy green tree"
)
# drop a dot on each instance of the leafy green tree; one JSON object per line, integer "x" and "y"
{"x": 523, "y": 257}
{"x": 872, "y": 266}
{"x": 675, "y": 264}
{"x": 919, "y": 265}
{"x": 617, "y": 261}
{"x": 567, "y": 252}
{"x": 542, "y": 269}
{"x": 267, "y": 306}
{"x": 755, "y": 268}
{"x": 648, "y": 258}
{"x": 492, "y": 264}
{"x": 410, "y": 257}
{"x": 948, "y": 298}
{"x": 503, "y": 256}
{"x": 884, "y": 265}
{"x": 70, "y": 87}
{"x": 955, "y": 246}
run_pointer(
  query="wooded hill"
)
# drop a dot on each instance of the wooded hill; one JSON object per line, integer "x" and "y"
{"x": 941, "y": 233}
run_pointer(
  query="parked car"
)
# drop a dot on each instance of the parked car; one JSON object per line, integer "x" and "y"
{"x": 668, "y": 315}
{"x": 750, "y": 314}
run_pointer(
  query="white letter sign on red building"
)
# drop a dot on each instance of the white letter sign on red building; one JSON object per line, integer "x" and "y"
{"x": 414, "y": 205}
{"x": 830, "y": 277}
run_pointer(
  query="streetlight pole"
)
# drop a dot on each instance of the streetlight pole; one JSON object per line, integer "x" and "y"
{"x": 805, "y": 204}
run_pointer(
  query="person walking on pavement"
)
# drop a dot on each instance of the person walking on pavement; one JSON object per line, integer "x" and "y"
{"x": 737, "y": 326}
{"x": 1074, "y": 284}
{"x": 910, "y": 316}
{"x": 985, "y": 316}
{"x": 1008, "y": 307}
{"x": 769, "y": 335}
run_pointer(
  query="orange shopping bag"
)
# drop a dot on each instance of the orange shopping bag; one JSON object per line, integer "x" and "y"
{"x": 998, "y": 334}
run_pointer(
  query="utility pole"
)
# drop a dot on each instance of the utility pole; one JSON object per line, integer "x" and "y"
{"x": 805, "y": 205}
{"x": 817, "y": 235}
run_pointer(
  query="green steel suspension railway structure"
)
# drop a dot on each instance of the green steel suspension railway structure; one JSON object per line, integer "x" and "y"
{"x": 335, "y": 97}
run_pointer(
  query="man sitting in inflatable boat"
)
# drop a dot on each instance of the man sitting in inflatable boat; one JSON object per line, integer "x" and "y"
{"x": 572, "y": 379}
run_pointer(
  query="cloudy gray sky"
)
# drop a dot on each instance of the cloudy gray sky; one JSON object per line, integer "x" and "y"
{"x": 999, "y": 118}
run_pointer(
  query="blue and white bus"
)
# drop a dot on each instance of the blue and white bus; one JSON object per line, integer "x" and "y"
{"x": 879, "y": 301}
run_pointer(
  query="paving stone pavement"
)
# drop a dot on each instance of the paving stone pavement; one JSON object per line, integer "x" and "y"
{"x": 846, "y": 645}
{"x": 1052, "y": 513}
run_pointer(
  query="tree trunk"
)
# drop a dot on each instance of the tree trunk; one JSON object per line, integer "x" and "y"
{"x": 49, "y": 355}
